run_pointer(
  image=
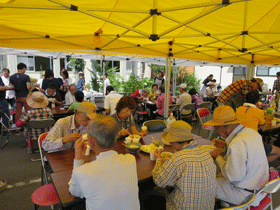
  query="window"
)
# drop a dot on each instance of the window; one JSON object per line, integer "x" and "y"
{"x": 129, "y": 65}
{"x": 239, "y": 71}
{"x": 3, "y": 63}
{"x": 29, "y": 61}
{"x": 267, "y": 71}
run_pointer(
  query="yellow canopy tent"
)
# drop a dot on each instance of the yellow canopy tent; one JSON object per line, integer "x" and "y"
{"x": 226, "y": 31}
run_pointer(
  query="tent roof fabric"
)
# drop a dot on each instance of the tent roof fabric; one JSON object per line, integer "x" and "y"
{"x": 227, "y": 31}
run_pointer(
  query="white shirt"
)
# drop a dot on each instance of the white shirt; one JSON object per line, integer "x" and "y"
{"x": 9, "y": 93}
{"x": 106, "y": 83}
{"x": 109, "y": 182}
{"x": 184, "y": 99}
{"x": 40, "y": 82}
{"x": 69, "y": 79}
{"x": 111, "y": 101}
{"x": 69, "y": 98}
{"x": 245, "y": 165}
{"x": 210, "y": 91}
{"x": 63, "y": 127}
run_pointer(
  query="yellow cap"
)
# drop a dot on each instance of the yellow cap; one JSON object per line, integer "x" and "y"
{"x": 88, "y": 108}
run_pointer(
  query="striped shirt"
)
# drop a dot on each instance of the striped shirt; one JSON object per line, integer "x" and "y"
{"x": 276, "y": 85}
{"x": 192, "y": 173}
{"x": 37, "y": 114}
{"x": 63, "y": 127}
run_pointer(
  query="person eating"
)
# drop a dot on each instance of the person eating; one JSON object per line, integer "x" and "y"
{"x": 110, "y": 181}
{"x": 153, "y": 94}
{"x": 53, "y": 96}
{"x": 67, "y": 130}
{"x": 126, "y": 125}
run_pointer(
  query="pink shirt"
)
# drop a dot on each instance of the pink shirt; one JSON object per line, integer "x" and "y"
{"x": 160, "y": 103}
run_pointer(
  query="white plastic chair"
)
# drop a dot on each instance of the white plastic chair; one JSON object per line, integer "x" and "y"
{"x": 245, "y": 205}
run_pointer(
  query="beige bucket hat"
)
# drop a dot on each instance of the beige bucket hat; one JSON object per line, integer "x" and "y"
{"x": 179, "y": 131}
{"x": 88, "y": 108}
{"x": 37, "y": 100}
{"x": 223, "y": 115}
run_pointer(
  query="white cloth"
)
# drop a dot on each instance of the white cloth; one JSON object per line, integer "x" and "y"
{"x": 40, "y": 82}
{"x": 245, "y": 166}
{"x": 106, "y": 83}
{"x": 63, "y": 127}
{"x": 9, "y": 93}
{"x": 111, "y": 101}
{"x": 69, "y": 98}
{"x": 184, "y": 99}
{"x": 109, "y": 182}
{"x": 210, "y": 92}
{"x": 69, "y": 79}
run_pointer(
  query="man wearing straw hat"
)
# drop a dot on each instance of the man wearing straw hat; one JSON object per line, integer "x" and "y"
{"x": 67, "y": 130}
{"x": 244, "y": 168}
{"x": 191, "y": 171}
{"x": 39, "y": 110}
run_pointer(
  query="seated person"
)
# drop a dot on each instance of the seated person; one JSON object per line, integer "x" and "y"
{"x": 211, "y": 95}
{"x": 196, "y": 98}
{"x": 79, "y": 96}
{"x": 184, "y": 99}
{"x": 126, "y": 125}
{"x": 140, "y": 94}
{"x": 219, "y": 90}
{"x": 153, "y": 94}
{"x": 160, "y": 101}
{"x": 70, "y": 96}
{"x": 53, "y": 96}
{"x": 245, "y": 168}
{"x": 39, "y": 110}
{"x": 111, "y": 100}
{"x": 186, "y": 171}
{"x": 252, "y": 117}
{"x": 67, "y": 130}
{"x": 110, "y": 181}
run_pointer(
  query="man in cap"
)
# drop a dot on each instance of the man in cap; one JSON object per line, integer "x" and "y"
{"x": 184, "y": 98}
{"x": 244, "y": 168}
{"x": 110, "y": 181}
{"x": 191, "y": 171}
{"x": 67, "y": 130}
{"x": 234, "y": 94}
{"x": 39, "y": 110}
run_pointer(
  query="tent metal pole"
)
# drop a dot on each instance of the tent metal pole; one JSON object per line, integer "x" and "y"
{"x": 174, "y": 78}
{"x": 250, "y": 71}
{"x": 167, "y": 87}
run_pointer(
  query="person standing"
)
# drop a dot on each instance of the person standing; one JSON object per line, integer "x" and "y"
{"x": 205, "y": 84}
{"x": 111, "y": 100}
{"x": 22, "y": 85}
{"x": 276, "y": 88}
{"x": 3, "y": 102}
{"x": 40, "y": 81}
{"x": 81, "y": 82}
{"x": 106, "y": 83}
{"x": 10, "y": 94}
{"x": 49, "y": 79}
{"x": 159, "y": 80}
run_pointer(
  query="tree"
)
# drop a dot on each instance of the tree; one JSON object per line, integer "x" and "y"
{"x": 78, "y": 64}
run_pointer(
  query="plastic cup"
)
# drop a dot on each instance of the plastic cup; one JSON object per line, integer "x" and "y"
{"x": 136, "y": 140}
{"x": 144, "y": 128}
{"x": 152, "y": 155}
{"x": 273, "y": 123}
{"x": 127, "y": 140}
{"x": 88, "y": 150}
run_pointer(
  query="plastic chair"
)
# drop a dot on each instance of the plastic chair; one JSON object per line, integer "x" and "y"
{"x": 245, "y": 205}
{"x": 189, "y": 107}
{"x": 155, "y": 125}
{"x": 175, "y": 108}
{"x": 204, "y": 105}
{"x": 9, "y": 131}
{"x": 38, "y": 124}
{"x": 204, "y": 115}
{"x": 46, "y": 194}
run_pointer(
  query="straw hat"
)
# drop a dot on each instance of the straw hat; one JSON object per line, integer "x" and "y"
{"x": 260, "y": 81}
{"x": 223, "y": 115}
{"x": 179, "y": 131}
{"x": 37, "y": 100}
{"x": 88, "y": 108}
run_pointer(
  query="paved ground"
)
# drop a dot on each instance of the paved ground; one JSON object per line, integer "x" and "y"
{"x": 23, "y": 177}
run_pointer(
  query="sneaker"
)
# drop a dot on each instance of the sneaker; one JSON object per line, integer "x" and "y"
{"x": 3, "y": 185}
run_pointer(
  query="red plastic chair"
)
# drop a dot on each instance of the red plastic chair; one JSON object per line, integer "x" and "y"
{"x": 46, "y": 194}
{"x": 204, "y": 115}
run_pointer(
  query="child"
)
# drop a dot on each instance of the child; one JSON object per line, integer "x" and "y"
{"x": 79, "y": 96}
{"x": 219, "y": 90}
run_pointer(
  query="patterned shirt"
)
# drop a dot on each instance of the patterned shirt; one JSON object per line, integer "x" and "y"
{"x": 160, "y": 103}
{"x": 63, "y": 127}
{"x": 197, "y": 99}
{"x": 36, "y": 114}
{"x": 276, "y": 85}
{"x": 235, "y": 93}
{"x": 192, "y": 173}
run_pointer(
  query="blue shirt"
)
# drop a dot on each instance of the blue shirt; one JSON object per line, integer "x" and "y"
{"x": 55, "y": 81}
{"x": 80, "y": 85}
{"x": 19, "y": 81}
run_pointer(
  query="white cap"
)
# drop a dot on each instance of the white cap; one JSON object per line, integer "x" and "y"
{"x": 184, "y": 86}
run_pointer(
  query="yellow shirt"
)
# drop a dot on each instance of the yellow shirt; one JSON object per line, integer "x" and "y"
{"x": 250, "y": 115}
{"x": 152, "y": 96}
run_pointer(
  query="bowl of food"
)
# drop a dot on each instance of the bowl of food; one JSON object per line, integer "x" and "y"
{"x": 166, "y": 156}
{"x": 133, "y": 147}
